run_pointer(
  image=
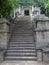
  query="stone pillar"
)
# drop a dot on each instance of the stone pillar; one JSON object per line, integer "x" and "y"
{"x": 39, "y": 55}
{"x": 4, "y": 33}
{"x": 14, "y": 13}
{"x": 45, "y": 56}
{"x": 30, "y": 11}
{"x": 42, "y": 38}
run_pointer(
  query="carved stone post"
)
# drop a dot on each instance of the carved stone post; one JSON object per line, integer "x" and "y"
{"x": 4, "y": 33}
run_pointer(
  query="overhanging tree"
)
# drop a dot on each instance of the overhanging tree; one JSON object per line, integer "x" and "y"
{"x": 7, "y": 6}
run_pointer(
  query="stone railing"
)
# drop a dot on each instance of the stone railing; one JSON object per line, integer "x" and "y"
{"x": 42, "y": 31}
{"x": 11, "y": 27}
{"x": 4, "y": 33}
{"x": 42, "y": 36}
{"x": 6, "y": 29}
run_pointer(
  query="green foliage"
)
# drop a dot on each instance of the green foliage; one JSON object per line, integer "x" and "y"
{"x": 41, "y": 4}
{"x": 25, "y": 2}
{"x": 47, "y": 4}
{"x": 37, "y": 3}
{"x": 47, "y": 12}
{"x": 47, "y": 8}
{"x": 6, "y": 7}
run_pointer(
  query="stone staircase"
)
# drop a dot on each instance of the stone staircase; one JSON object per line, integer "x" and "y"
{"x": 22, "y": 45}
{"x": 24, "y": 18}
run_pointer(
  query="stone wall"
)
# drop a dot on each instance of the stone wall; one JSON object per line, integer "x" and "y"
{"x": 42, "y": 38}
{"x": 6, "y": 28}
{"x": 4, "y": 33}
{"x": 42, "y": 33}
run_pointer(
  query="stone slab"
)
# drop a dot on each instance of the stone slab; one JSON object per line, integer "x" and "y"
{"x": 1, "y": 56}
{"x": 39, "y": 55}
{"x": 25, "y": 63}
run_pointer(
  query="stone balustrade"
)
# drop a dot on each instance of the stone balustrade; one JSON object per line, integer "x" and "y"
{"x": 42, "y": 35}
{"x": 4, "y": 33}
{"x": 6, "y": 29}
{"x": 42, "y": 32}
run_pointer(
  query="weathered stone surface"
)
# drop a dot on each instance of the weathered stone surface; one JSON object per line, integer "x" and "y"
{"x": 42, "y": 34}
{"x": 24, "y": 63}
{"x": 45, "y": 56}
{"x": 42, "y": 31}
{"x": 1, "y": 56}
{"x": 4, "y": 33}
{"x": 39, "y": 55}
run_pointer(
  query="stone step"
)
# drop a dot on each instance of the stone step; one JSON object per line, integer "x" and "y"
{"x": 21, "y": 51}
{"x": 29, "y": 52}
{"x": 22, "y": 37}
{"x": 21, "y": 54}
{"x": 22, "y": 43}
{"x": 20, "y": 47}
{"x": 21, "y": 40}
{"x": 24, "y": 27}
{"x": 23, "y": 33}
{"x": 23, "y": 30}
{"x": 24, "y": 18}
{"x": 20, "y": 58}
{"x": 24, "y": 46}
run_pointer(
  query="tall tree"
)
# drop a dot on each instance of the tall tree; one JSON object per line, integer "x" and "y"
{"x": 25, "y": 2}
{"x": 6, "y": 7}
{"x": 47, "y": 4}
{"x": 41, "y": 4}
